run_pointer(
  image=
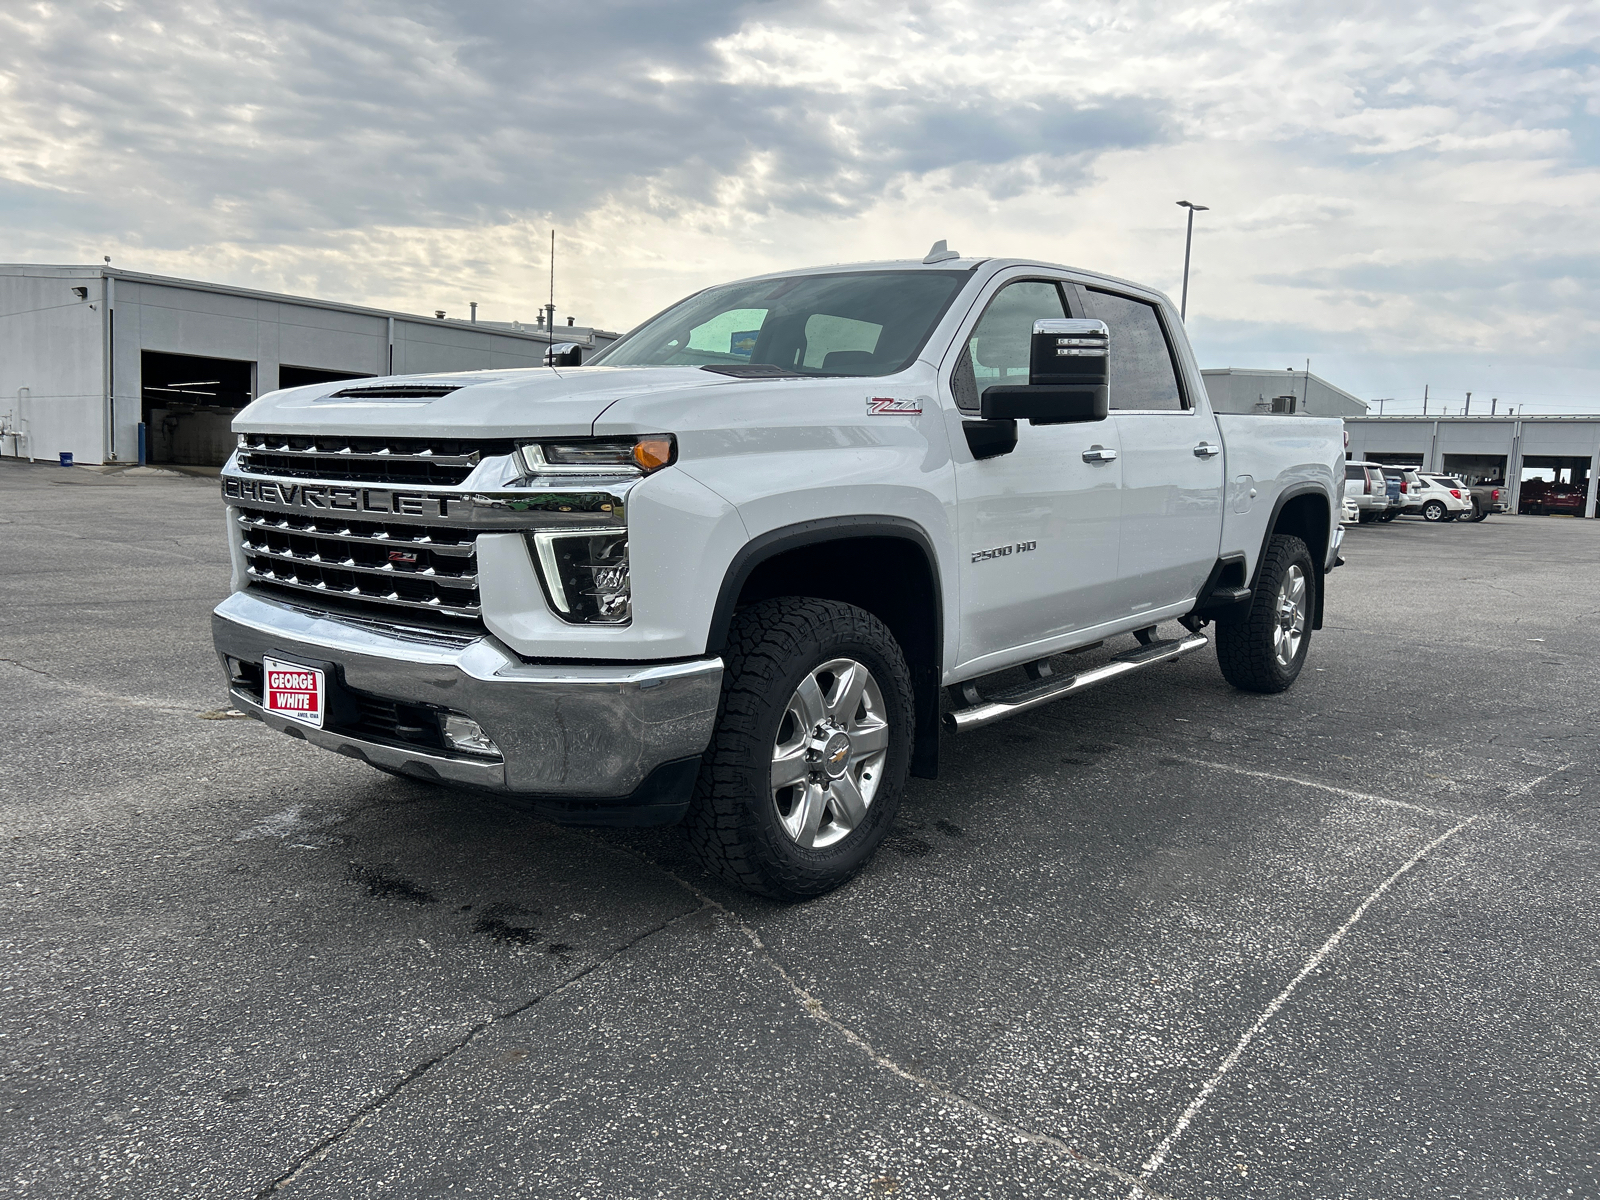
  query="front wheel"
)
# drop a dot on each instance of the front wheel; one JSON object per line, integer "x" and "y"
{"x": 1434, "y": 510}
{"x": 1265, "y": 651}
{"x": 811, "y": 748}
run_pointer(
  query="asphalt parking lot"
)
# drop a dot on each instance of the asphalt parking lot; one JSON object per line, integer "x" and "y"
{"x": 1164, "y": 936}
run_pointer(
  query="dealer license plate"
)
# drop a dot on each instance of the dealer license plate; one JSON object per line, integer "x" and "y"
{"x": 290, "y": 690}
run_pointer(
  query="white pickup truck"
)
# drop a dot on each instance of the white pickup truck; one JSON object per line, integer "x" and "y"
{"x": 726, "y": 572}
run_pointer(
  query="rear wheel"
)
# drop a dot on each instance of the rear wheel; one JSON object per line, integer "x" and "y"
{"x": 1434, "y": 510}
{"x": 1479, "y": 513}
{"x": 1265, "y": 650}
{"x": 1390, "y": 515}
{"x": 811, "y": 748}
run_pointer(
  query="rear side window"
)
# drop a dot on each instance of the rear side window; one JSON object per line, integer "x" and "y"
{"x": 1354, "y": 473}
{"x": 1142, "y": 374}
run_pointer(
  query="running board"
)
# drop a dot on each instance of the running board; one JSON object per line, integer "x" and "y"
{"x": 1032, "y": 695}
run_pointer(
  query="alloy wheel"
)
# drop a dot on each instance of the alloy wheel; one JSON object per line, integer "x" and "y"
{"x": 1290, "y": 628}
{"x": 827, "y": 760}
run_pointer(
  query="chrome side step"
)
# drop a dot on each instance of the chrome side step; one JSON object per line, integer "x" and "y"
{"x": 1032, "y": 695}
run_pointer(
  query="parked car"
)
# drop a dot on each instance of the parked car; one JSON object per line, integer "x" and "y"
{"x": 1542, "y": 498}
{"x": 1407, "y": 484}
{"x": 1349, "y": 514}
{"x": 1487, "y": 498}
{"x": 1365, "y": 484}
{"x": 1443, "y": 498}
{"x": 726, "y": 571}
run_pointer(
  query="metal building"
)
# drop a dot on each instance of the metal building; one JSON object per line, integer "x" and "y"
{"x": 1248, "y": 390}
{"x": 1508, "y": 451}
{"x": 88, "y": 355}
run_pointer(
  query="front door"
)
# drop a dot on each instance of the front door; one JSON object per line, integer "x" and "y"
{"x": 1038, "y": 526}
{"x": 1172, "y": 461}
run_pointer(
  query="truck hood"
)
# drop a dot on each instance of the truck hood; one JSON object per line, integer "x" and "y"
{"x": 563, "y": 402}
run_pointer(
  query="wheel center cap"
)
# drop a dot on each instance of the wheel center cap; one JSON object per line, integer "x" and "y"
{"x": 836, "y": 755}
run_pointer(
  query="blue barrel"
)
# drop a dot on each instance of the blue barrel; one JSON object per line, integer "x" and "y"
{"x": 66, "y": 458}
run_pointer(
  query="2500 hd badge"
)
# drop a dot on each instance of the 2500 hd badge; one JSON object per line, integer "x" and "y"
{"x": 1003, "y": 551}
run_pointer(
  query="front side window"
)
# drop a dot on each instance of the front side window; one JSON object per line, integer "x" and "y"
{"x": 848, "y": 323}
{"x": 999, "y": 347}
{"x": 1141, "y": 372}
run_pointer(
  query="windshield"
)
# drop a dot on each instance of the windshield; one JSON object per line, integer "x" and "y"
{"x": 862, "y": 323}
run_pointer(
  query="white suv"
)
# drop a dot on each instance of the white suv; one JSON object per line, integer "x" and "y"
{"x": 1443, "y": 498}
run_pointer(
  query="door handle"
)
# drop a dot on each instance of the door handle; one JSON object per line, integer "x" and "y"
{"x": 1098, "y": 453}
{"x": 1207, "y": 450}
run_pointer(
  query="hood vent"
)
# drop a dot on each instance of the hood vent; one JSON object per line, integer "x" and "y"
{"x": 399, "y": 391}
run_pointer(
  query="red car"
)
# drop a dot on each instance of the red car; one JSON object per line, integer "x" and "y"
{"x": 1541, "y": 499}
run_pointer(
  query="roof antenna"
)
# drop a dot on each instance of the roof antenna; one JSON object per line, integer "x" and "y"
{"x": 548, "y": 317}
{"x": 941, "y": 252}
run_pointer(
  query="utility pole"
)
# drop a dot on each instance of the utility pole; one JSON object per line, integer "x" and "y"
{"x": 1493, "y": 400}
{"x": 1188, "y": 242}
{"x": 1467, "y": 411}
{"x": 1424, "y": 399}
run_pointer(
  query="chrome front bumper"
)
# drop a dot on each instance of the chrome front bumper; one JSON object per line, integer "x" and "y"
{"x": 628, "y": 734}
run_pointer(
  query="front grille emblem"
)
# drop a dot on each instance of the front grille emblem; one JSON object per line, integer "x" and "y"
{"x": 403, "y": 556}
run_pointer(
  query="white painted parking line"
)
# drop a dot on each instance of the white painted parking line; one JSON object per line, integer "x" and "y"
{"x": 1159, "y": 1155}
{"x": 1365, "y": 797}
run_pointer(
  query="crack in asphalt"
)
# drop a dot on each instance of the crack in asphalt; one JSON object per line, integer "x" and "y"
{"x": 170, "y": 708}
{"x": 817, "y": 1011}
{"x": 372, "y": 1107}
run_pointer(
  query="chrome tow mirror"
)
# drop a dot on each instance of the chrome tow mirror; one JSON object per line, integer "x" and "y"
{"x": 1067, "y": 377}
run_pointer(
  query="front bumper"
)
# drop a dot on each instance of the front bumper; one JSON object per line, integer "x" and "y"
{"x": 602, "y": 744}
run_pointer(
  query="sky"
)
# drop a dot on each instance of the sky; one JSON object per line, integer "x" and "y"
{"x": 1405, "y": 195}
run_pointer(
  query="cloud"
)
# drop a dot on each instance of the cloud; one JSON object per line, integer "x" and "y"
{"x": 1382, "y": 173}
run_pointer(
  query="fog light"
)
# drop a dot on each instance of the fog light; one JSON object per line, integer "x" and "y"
{"x": 467, "y": 736}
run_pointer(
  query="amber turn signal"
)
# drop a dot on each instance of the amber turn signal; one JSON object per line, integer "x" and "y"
{"x": 652, "y": 453}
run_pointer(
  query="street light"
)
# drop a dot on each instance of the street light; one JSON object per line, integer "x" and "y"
{"x": 1188, "y": 241}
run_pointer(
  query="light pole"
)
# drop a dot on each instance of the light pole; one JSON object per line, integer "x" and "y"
{"x": 1188, "y": 241}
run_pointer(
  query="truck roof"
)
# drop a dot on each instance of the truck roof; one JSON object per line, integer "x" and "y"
{"x": 949, "y": 264}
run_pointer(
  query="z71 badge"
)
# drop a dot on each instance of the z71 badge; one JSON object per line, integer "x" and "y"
{"x": 889, "y": 406}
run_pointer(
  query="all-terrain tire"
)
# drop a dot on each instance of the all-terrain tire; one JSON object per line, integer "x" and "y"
{"x": 1247, "y": 650}
{"x": 733, "y": 822}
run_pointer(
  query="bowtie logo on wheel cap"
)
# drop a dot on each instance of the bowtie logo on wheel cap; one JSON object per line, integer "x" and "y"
{"x": 836, "y": 755}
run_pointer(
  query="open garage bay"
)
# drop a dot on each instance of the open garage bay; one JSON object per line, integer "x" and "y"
{"x": 1164, "y": 938}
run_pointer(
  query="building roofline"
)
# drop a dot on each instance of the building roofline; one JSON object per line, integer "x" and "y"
{"x": 77, "y": 271}
{"x": 1594, "y": 416}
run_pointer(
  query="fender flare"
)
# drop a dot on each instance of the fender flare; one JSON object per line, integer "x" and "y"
{"x": 1321, "y": 567}
{"x": 926, "y": 677}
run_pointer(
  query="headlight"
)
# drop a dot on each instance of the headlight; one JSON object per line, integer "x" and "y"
{"x": 585, "y": 574}
{"x": 599, "y": 456}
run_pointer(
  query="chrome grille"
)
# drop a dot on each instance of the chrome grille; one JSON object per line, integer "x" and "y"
{"x": 416, "y": 567}
{"x": 435, "y": 462}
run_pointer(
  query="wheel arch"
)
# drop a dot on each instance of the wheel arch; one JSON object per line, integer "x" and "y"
{"x": 1304, "y": 512}
{"x": 884, "y": 564}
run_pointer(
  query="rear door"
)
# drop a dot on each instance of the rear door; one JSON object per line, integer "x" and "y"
{"x": 1038, "y": 525}
{"x": 1172, "y": 461}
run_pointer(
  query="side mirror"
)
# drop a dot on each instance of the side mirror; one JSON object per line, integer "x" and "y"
{"x": 1067, "y": 377}
{"x": 564, "y": 354}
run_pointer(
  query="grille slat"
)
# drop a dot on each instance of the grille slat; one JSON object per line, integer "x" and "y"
{"x": 400, "y": 566}
{"x": 435, "y": 462}
{"x": 372, "y": 533}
